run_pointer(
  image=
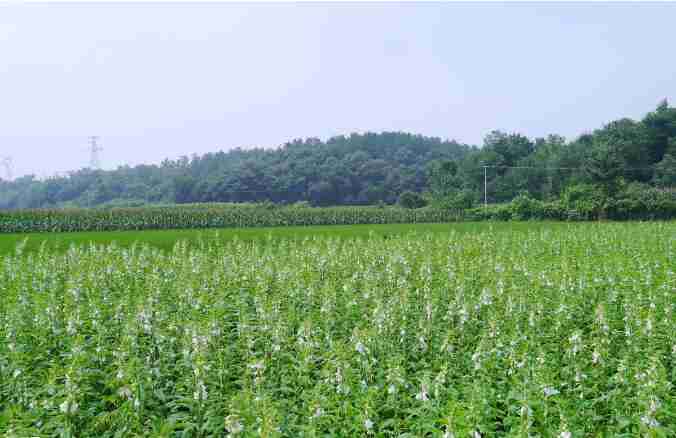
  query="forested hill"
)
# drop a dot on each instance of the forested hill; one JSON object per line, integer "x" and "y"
{"x": 354, "y": 169}
{"x": 370, "y": 168}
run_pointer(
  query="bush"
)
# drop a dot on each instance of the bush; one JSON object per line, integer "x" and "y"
{"x": 588, "y": 201}
{"x": 524, "y": 207}
{"x": 641, "y": 201}
{"x": 495, "y": 212}
{"x": 411, "y": 200}
{"x": 458, "y": 201}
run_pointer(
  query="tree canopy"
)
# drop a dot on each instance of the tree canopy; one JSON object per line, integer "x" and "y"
{"x": 378, "y": 167}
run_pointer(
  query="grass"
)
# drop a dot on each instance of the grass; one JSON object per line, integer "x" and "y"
{"x": 166, "y": 239}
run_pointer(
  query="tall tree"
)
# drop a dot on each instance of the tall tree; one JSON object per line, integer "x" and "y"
{"x": 604, "y": 167}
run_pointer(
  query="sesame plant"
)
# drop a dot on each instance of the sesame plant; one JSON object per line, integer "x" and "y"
{"x": 565, "y": 332}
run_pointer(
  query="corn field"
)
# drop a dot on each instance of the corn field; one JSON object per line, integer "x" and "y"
{"x": 208, "y": 216}
{"x": 566, "y": 332}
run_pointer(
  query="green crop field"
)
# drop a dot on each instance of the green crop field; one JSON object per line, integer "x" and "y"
{"x": 166, "y": 239}
{"x": 447, "y": 330}
{"x": 203, "y": 216}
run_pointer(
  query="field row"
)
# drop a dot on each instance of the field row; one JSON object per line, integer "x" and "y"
{"x": 221, "y": 215}
{"x": 208, "y": 216}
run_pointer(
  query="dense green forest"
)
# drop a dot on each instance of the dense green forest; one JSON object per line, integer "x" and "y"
{"x": 624, "y": 155}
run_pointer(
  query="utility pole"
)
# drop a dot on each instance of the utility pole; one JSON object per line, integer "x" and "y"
{"x": 485, "y": 187}
{"x": 95, "y": 150}
{"x": 7, "y": 164}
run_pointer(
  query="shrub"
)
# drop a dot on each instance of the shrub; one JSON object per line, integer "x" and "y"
{"x": 458, "y": 201}
{"x": 524, "y": 207}
{"x": 641, "y": 201}
{"x": 587, "y": 200}
{"x": 411, "y": 200}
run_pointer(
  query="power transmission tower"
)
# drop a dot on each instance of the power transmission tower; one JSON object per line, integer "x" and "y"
{"x": 7, "y": 164}
{"x": 95, "y": 150}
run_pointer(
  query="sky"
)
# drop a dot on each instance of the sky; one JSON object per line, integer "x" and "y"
{"x": 158, "y": 81}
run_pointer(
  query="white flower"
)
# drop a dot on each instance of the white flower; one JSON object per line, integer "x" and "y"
{"x": 318, "y": 412}
{"x": 476, "y": 358}
{"x": 233, "y": 425}
{"x": 422, "y": 395}
{"x": 68, "y": 407}
{"x": 565, "y": 434}
{"x": 368, "y": 424}
{"x": 549, "y": 391}
{"x": 650, "y": 421}
{"x": 654, "y": 405}
{"x": 71, "y": 329}
{"x": 576, "y": 342}
{"x": 200, "y": 392}
{"x": 361, "y": 349}
{"x": 486, "y": 297}
{"x": 596, "y": 357}
{"x": 257, "y": 366}
{"x": 423, "y": 343}
{"x": 124, "y": 392}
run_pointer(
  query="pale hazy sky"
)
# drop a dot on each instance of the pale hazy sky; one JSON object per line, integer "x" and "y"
{"x": 164, "y": 80}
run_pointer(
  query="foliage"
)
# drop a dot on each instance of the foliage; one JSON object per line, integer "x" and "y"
{"x": 565, "y": 331}
{"x": 369, "y": 168}
{"x": 585, "y": 200}
{"x": 604, "y": 168}
{"x": 456, "y": 201}
{"x": 641, "y": 201}
{"x": 665, "y": 171}
{"x": 523, "y": 207}
{"x": 579, "y": 202}
{"x": 443, "y": 178}
{"x": 210, "y": 216}
{"x": 355, "y": 170}
{"x": 411, "y": 200}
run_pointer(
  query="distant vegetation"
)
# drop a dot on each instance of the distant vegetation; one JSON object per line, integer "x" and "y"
{"x": 210, "y": 216}
{"x": 620, "y": 160}
{"x": 639, "y": 205}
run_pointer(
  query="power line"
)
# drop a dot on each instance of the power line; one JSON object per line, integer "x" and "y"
{"x": 560, "y": 168}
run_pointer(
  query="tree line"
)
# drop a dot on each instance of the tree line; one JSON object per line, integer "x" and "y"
{"x": 388, "y": 167}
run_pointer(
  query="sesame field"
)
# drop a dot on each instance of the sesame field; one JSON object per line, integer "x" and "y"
{"x": 561, "y": 330}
